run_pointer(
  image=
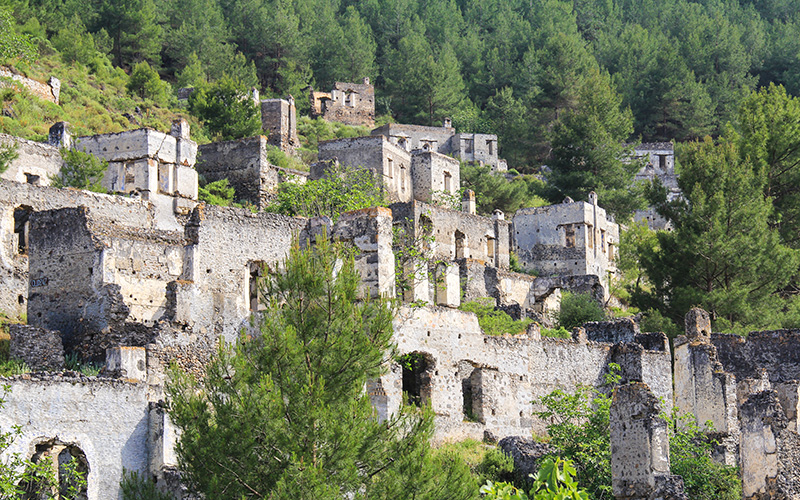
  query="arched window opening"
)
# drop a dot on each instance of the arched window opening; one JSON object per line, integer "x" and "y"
{"x": 68, "y": 471}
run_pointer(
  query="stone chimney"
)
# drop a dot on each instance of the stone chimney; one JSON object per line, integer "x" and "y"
{"x": 448, "y": 123}
{"x": 468, "y": 202}
{"x": 366, "y": 80}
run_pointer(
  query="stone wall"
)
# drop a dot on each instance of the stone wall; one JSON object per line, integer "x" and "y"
{"x": 279, "y": 122}
{"x": 349, "y": 103}
{"x": 39, "y": 348}
{"x": 147, "y": 161}
{"x": 106, "y": 419}
{"x": 36, "y": 164}
{"x": 19, "y": 201}
{"x": 50, "y": 91}
{"x": 244, "y": 163}
{"x": 391, "y": 165}
{"x": 434, "y": 176}
{"x": 571, "y": 238}
{"x": 456, "y": 235}
{"x": 96, "y": 276}
{"x": 499, "y": 377}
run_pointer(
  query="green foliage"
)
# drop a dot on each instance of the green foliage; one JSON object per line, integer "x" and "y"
{"x": 136, "y": 487}
{"x": 556, "y": 333}
{"x": 654, "y": 321}
{"x": 579, "y": 428}
{"x": 486, "y": 462}
{"x": 81, "y": 170}
{"x": 281, "y": 159}
{"x": 690, "y": 457}
{"x": 577, "y": 309}
{"x": 146, "y": 83}
{"x": 588, "y": 153}
{"x": 724, "y": 254}
{"x": 341, "y": 190}
{"x": 226, "y": 109}
{"x": 218, "y": 192}
{"x": 8, "y": 153}
{"x": 494, "y": 321}
{"x": 554, "y": 481}
{"x": 73, "y": 362}
{"x": 412, "y": 254}
{"x": 14, "y": 44}
{"x": 312, "y": 131}
{"x": 285, "y": 414}
{"x": 495, "y": 191}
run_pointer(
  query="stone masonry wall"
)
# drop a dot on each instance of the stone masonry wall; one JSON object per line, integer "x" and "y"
{"x": 106, "y": 419}
{"x": 506, "y": 373}
{"x": 244, "y": 163}
{"x": 36, "y": 164}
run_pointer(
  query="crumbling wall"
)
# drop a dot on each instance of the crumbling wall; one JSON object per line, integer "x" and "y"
{"x": 279, "y": 121}
{"x": 571, "y": 238}
{"x": 36, "y": 164}
{"x": 226, "y": 246}
{"x": 50, "y": 91}
{"x": 507, "y": 373}
{"x": 147, "y": 161}
{"x": 93, "y": 276}
{"x": 348, "y": 103}
{"x": 18, "y": 201}
{"x": 106, "y": 419}
{"x": 434, "y": 176}
{"x": 39, "y": 348}
{"x": 455, "y": 234}
{"x": 244, "y": 163}
{"x": 390, "y": 164}
{"x": 640, "y": 446}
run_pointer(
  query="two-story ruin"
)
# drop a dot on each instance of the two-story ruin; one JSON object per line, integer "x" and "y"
{"x": 349, "y": 103}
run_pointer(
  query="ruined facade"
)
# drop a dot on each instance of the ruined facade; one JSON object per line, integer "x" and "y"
{"x": 390, "y": 165}
{"x": 658, "y": 160}
{"x": 479, "y": 148}
{"x": 279, "y": 123}
{"x": 572, "y": 238}
{"x": 348, "y": 103}
{"x": 244, "y": 163}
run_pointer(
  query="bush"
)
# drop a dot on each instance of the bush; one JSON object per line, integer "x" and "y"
{"x": 654, "y": 321}
{"x": 493, "y": 321}
{"x": 554, "y": 481}
{"x": 8, "y": 153}
{"x": 577, "y": 309}
{"x": 690, "y": 457}
{"x": 136, "y": 487}
{"x": 557, "y": 333}
{"x": 81, "y": 170}
{"x": 218, "y": 192}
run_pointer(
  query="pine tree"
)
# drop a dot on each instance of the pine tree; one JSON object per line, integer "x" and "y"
{"x": 722, "y": 255}
{"x": 284, "y": 415}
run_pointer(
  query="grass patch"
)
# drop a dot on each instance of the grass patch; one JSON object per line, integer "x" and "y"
{"x": 485, "y": 462}
{"x": 9, "y": 366}
{"x": 494, "y": 321}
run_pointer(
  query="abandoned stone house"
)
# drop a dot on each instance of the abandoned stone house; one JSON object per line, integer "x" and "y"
{"x": 658, "y": 163}
{"x": 348, "y": 103}
{"x": 478, "y": 148}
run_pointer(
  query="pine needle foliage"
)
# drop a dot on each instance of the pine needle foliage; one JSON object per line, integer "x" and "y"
{"x": 285, "y": 414}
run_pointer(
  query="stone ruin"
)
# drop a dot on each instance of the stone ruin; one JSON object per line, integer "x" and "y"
{"x": 348, "y": 103}
{"x": 50, "y": 91}
{"x": 137, "y": 282}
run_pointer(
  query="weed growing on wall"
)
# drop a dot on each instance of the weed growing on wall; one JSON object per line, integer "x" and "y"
{"x": 81, "y": 170}
{"x": 494, "y": 321}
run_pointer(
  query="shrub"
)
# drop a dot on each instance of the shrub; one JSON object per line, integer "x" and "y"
{"x": 494, "y": 321}
{"x": 218, "y": 192}
{"x": 577, "y": 309}
{"x": 554, "y": 481}
{"x": 226, "y": 109}
{"x": 81, "y": 170}
{"x": 136, "y": 487}
{"x": 8, "y": 153}
{"x": 654, "y": 321}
